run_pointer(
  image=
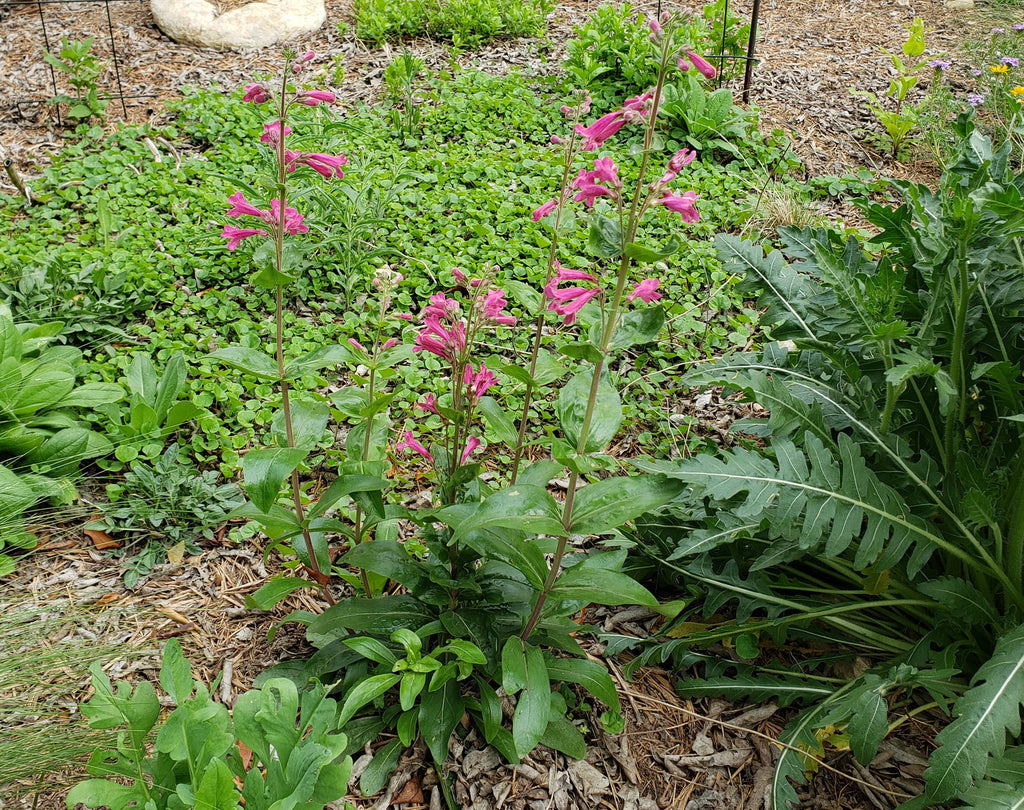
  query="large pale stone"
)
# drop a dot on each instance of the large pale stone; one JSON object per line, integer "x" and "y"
{"x": 255, "y": 25}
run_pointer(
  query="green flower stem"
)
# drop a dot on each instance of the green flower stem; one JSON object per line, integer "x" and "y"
{"x": 300, "y": 512}
{"x": 610, "y": 321}
{"x": 538, "y": 322}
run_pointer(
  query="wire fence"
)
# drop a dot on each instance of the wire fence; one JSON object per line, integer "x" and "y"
{"x": 42, "y": 6}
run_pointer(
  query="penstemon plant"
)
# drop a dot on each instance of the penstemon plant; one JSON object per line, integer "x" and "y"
{"x": 299, "y": 425}
{"x": 490, "y": 584}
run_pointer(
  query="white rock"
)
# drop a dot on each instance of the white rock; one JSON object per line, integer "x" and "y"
{"x": 255, "y": 25}
{"x": 960, "y": 5}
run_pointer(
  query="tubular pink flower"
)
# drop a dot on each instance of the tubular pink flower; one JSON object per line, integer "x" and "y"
{"x": 390, "y": 343}
{"x": 428, "y": 404}
{"x": 292, "y": 219}
{"x": 256, "y": 93}
{"x": 441, "y": 306}
{"x": 236, "y": 235}
{"x": 409, "y": 443}
{"x": 646, "y": 291}
{"x": 242, "y": 207}
{"x": 685, "y": 205}
{"x": 476, "y": 385}
{"x": 494, "y": 303}
{"x": 601, "y": 130}
{"x": 606, "y": 171}
{"x": 272, "y": 132}
{"x": 327, "y": 166}
{"x": 682, "y": 64}
{"x": 684, "y": 157}
{"x": 300, "y": 63}
{"x": 311, "y": 98}
{"x": 445, "y": 343}
{"x": 706, "y": 69}
{"x": 358, "y": 345}
{"x": 570, "y": 306}
{"x": 472, "y": 443}
{"x": 544, "y": 210}
{"x": 460, "y": 277}
{"x": 556, "y": 141}
{"x": 639, "y": 104}
{"x": 590, "y": 189}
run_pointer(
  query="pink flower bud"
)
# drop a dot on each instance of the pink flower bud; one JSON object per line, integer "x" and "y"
{"x": 555, "y": 140}
{"x": 706, "y": 69}
{"x": 654, "y": 26}
{"x": 682, "y": 64}
{"x": 312, "y": 98}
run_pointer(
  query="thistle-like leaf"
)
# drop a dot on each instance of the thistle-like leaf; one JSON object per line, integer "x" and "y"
{"x": 989, "y": 710}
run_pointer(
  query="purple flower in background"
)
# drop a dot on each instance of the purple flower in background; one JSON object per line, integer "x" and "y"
{"x": 1012, "y": 61}
{"x": 1018, "y": 27}
{"x": 995, "y": 31}
{"x": 939, "y": 64}
{"x": 975, "y": 99}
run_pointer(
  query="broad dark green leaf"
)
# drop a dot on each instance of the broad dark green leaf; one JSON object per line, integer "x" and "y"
{"x": 571, "y": 407}
{"x": 440, "y": 712}
{"x": 591, "y": 675}
{"x": 605, "y": 237}
{"x": 265, "y": 469}
{"x": 609, "y": 503}
{"x": 251, "y": 361}
{"x": 530, "y": 720}
{"x": 638, "y": 326}
{"x": 381, "y": 616}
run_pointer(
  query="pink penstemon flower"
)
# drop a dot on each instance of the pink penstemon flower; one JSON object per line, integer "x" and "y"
{"x": 646, "y": 291}
{"x": 429, "y": 404}
{"x": 544, "y": 210}
{"x": 684, "y": 157}
{"x": 240, "y": 206}
{"x": 273, "y": 131}
{"x": 601, "y": 130}
{"x": 705, "y": 68}
{"x": 475, "y": 384}
{"x": 472, "y": 443}
{"x": 589, "y": 187}
{"x": 328, "y": 166}
{"x": 685, "y": 205}
{"x": 256, "y": 94}
{"x": 410, "y": 443}
{"x": 494, "y": 303}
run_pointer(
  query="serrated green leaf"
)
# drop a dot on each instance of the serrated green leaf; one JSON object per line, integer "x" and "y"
{"x": 989, "y": 710}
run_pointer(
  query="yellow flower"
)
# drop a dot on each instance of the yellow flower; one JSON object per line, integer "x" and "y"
{"x": 999, "y": 68}
{"x": 1018, "y": 91}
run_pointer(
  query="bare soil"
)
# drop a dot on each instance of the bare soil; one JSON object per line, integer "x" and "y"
{"x": 674, "y": 753}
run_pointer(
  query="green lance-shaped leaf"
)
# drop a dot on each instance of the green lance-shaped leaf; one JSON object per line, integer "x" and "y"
{"x": 498, "y": 421}
{"x": 802, "y": 742}
{"x": 364, "y": 692}
{"x": 609, "y": 503}
{"x": 571, "y": 408}
{"x": 530, "y": 720}
{"x": 217, "y": 789}
{"x": 272, "y": 592}
{"x": 440, "y": 711}
{"x": 591, "y": 675}
{"x": 382, "y": 615}
{"x": 265, "y": 469}
{"x": 251, "y": 361}
{"x": 586, "y": 582}
{"x": 868, "y": 725}
{"x": 989, "y": 710}
{"x": 649, "y": 255}
{"x": 317, "y": 359}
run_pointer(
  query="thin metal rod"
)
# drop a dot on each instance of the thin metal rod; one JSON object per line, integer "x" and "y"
{"x": 725, "y": 31}
{"x": 46, "y": 44}
{"x": 748, "y": 74}
{"x": 113, "y": 52}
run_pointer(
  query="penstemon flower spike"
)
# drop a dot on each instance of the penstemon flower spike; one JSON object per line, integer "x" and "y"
{"x": 598, "y": 183}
